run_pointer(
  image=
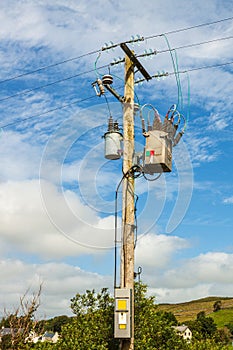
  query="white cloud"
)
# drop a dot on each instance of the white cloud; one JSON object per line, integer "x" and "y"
{"x": 180, "y": 295}
{"x": 202, "y": 149}
{"x": 37, "y": 34}
{"x": 64, "y": 230}
{"x": 228, "y": 200}
{"x": 155, "y": 251}
{"x": 210, "y": 268}
{"x": 19, "y": 159}
{"x": 218, "y": 121}
{"x": 60, "y": 282}
{"x": 205, "y": 275}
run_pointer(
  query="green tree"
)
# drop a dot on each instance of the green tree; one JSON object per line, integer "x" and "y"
{"x": 153, "y": 329}
{"x": 206, "y": 344}
{"x": 230, "y": 327}
{"x": 222, "y": 335}
{"x": 21, "y": 322}
{"x": 55, "y": 324}
{"x": 203, "y": 327}
{"x": 217, "y": 305}
{"x": 92, "y": 328}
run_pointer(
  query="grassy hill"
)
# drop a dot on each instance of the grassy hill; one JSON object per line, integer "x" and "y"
{"x": 189, "y": 310}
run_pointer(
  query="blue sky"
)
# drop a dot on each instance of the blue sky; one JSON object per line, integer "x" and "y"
{"x": 56, "y": 188}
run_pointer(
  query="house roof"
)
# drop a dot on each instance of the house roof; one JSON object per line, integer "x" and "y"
{"x": 48, "y": 335}
{"x": 181, "y": 329}
{"x": 5, "y": 331}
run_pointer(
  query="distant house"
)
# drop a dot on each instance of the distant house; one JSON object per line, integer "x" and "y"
{"x": 4, "y": 331}
{"x": 184, "y": 332}
{"x": 47, "y": 336}
{"x": 9, "y": 331}
{"x": 50, "y": 336}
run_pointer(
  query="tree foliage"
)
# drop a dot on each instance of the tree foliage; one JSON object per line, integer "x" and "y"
{"x": 217, "y": 305}
{"x": 203, "y": 327}
{"x": 21, "y": 322}
{"x": 153, "y": 329}
{"x": 91, "y": 327}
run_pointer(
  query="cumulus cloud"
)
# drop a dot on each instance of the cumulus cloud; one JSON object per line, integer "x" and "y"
{"x": 210, "y": 268}
{"x": 53, "y": 228}
{"x": 198, "y": 277}
{"x": 60, "y": 282}
{"x": 52, "y": 221}
{"x": 228, "y": 200}
{"x": 155, "y": 251}
{"x": 19, "y": 159}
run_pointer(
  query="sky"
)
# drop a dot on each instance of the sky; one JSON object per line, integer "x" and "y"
{"x": 57, "y": 190}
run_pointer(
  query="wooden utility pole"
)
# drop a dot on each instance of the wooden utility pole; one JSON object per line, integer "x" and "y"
{"x": 128, "y": 210}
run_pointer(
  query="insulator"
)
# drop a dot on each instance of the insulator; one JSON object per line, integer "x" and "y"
{"x": 143, "y": 126}
{"x": 136, "y": 38}
{"x": 116, "y": 126}
{"x": 158, "y": 77}
{"x": 110, "y": 124}
{"x": 149, "y": 52}
{"x": 108, "y": 46}
{"x": 163, "y": 74}
{"x": 149, "y": 127}
{"x": 118, "y": 60}
{"x": 100, "y": 85}
{"x": 165, "y": 124}
{"x": 107, "y": 79}
{"x": 177, "y": 138}
{"x": 170, "y": 129}
{"x": 175, "y": 127}
{"x": 157, "y": 125}
{"x": 136, "y": 108}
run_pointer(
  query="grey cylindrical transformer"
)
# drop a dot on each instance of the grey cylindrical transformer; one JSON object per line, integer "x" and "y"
{"x": 113, "y": 145}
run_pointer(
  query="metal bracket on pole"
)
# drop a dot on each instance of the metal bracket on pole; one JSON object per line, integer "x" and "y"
{"x": 114, "y": 93}
{"x": 135, "y": 61}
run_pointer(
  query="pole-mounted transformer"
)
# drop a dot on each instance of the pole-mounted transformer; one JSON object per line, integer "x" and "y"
{"x": 157, "y": 152}
{"x": 160, "y": 140}
{"x": 113, "y": 139}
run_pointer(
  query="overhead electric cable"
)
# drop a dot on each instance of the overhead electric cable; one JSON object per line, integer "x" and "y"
{"x": 189, "y": 28}
{"x": 96, "y": 71}
{"x": 46, "y": 112}
{"x": 91, "y": 70}
{"x": 176, "y": 72}
{"x": 49, "y": 84}
{"x": 189, "y": 70}
{"x": 203, "y": 67}
{"x": 94, "y": 96}
{"x": 188, "y": 109}
{"x": 49, "y": 66}
{"x": 196, "y": 44}
{"x": 99, "y": 50}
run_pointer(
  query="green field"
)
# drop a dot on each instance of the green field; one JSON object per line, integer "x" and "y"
{"x": 189, "y": 310}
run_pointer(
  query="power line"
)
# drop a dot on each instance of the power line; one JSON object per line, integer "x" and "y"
{"x": 196, "y": 44}
{"x": 204, "y": 67}
{"x": 99, "y": 50}
{"x": 46, "y": 112}
{"x": 49, "y": 84}
{"x": 105, "y": 66}
{"x": 49, "y": 66}
{"x": 94, "y": 96}
{"x": 186, "y": 71}
{"x": 189, "y": 28}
